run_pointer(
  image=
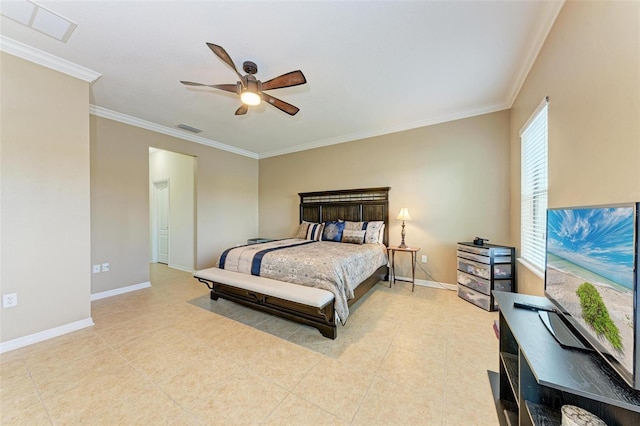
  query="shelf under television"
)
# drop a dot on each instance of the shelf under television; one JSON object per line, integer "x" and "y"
{"x": 543, "y": 416}
{"x": 510, "y": 362}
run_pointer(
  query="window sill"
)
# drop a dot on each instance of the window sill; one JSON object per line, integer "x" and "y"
{"x": 534, "y": 269}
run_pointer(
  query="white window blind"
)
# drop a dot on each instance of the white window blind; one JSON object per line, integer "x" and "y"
{"x": 534, "y": 188}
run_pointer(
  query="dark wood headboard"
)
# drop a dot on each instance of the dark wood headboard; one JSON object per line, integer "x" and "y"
{"x": 357, "y": 205}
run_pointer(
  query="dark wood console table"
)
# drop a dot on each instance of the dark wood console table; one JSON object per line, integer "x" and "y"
{"x": 538, "y": 376}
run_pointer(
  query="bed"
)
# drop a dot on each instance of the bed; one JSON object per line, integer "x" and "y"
{"x": 306, "y": 279}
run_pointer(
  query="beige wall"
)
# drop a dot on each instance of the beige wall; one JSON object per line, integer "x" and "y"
{"x": 226, "y": 200}
{"x": 45, "y": 216}
{"x": 589, "y": 67}
{"x": 179, "y": 170}
{"x": 453, "y": 178}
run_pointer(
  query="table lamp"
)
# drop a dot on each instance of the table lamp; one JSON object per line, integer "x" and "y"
{"x": 403, "y": 215}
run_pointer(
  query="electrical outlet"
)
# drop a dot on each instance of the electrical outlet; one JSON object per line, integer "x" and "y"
{"x": 9, "y": 300}
{"x": 96, "y": 269}
{"x": 105, "y": 267}
{"x": 424, "y": 258}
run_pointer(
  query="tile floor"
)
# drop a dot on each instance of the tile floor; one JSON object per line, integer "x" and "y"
{"x": 168, "y": 355}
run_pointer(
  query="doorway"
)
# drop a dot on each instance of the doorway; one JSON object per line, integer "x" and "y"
{"x": 172, "y": 209}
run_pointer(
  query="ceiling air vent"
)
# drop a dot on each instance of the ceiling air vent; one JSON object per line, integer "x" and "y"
{"x": 39, "y": 18}
{"x": 188, "y": 128}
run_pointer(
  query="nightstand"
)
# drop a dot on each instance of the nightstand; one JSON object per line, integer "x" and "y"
{"x": 258, "y": 240}
{"x": 392, "y": 271}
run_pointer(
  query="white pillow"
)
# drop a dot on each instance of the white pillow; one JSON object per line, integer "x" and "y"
{"x": 373, "y": 232}
{"x": 381, "y": 235}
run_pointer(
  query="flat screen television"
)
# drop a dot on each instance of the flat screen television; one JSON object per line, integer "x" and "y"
{"x": 591, "y": 276}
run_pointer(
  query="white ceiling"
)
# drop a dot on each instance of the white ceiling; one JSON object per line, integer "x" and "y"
{"x": 372, "y": 67}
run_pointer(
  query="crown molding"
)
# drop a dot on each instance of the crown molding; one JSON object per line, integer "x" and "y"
{"x": 48, "y": 60}
{"x": 435, "y": 119}
{"x": 165, "y": 130}
{"x": 170, "y": 131}
{"x": 533, "y": 53}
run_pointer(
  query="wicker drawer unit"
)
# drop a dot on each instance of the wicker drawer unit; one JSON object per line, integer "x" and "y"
{"x": 482, "y": 269}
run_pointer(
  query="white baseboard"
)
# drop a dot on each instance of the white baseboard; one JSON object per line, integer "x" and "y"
{"x": 182, "y": 268}
{"x": 121, "y": 290}
{"x": 45, "y": 335}
{"x": 432, "y": 284}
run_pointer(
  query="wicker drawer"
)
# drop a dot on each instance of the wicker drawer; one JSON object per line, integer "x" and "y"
{"x": 477, "y": 298}
{"x": 475, "y": 283}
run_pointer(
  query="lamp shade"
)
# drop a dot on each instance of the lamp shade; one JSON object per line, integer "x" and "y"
{"x": 404, "y": 214}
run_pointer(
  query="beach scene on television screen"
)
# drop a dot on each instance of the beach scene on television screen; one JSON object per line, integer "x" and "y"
{"x": 590, "y": 258}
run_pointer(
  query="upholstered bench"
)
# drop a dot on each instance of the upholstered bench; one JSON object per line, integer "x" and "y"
{"x": 308, "y": 305}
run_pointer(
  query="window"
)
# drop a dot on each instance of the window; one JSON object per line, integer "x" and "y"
{"x": 534, "y": 189}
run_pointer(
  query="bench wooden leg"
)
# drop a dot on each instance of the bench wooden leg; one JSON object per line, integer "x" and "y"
{"x": 328, "y": 331}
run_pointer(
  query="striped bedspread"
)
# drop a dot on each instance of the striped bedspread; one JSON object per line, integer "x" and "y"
{"x": 336, "y": 267}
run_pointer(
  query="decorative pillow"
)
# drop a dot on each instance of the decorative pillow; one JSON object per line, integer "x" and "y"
{"x": 314, "y": 232}
{"x": 354, "y": 226}
{"x": 381, "y": 235}
{"x": 353, "y": 237}
{"x": 301, "y": 233}
{"x": 373, "y": 231}
{"x": 333, "y": 231}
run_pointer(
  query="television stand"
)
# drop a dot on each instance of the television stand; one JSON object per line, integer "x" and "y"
{"x": 561, "y": 331}
{"x": 538, "y": 376}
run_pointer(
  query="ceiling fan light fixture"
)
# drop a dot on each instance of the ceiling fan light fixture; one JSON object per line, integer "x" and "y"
{"x": 250, "y": 98}
{"x": 250, "y": 88}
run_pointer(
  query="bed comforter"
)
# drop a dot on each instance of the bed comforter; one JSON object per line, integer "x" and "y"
{"x": 336, "y": 267}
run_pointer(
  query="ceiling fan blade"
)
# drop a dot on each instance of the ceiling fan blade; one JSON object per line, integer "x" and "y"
{"x": 222, "y": 54}
{"x": 233, "y": 88}
{"x": 293, "y": 78}
{"x": 191, "y": 83}
{"x": 281, "y": 105}
{"x": 242, "y": 110}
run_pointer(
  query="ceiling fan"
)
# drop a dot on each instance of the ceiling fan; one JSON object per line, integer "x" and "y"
{"x": 250, "y": 89}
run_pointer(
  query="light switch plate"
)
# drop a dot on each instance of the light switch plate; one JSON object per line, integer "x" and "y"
{"x": 9, "y": 300}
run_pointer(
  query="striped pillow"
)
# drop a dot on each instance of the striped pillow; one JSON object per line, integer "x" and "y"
{"x": 314, "y": 232}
